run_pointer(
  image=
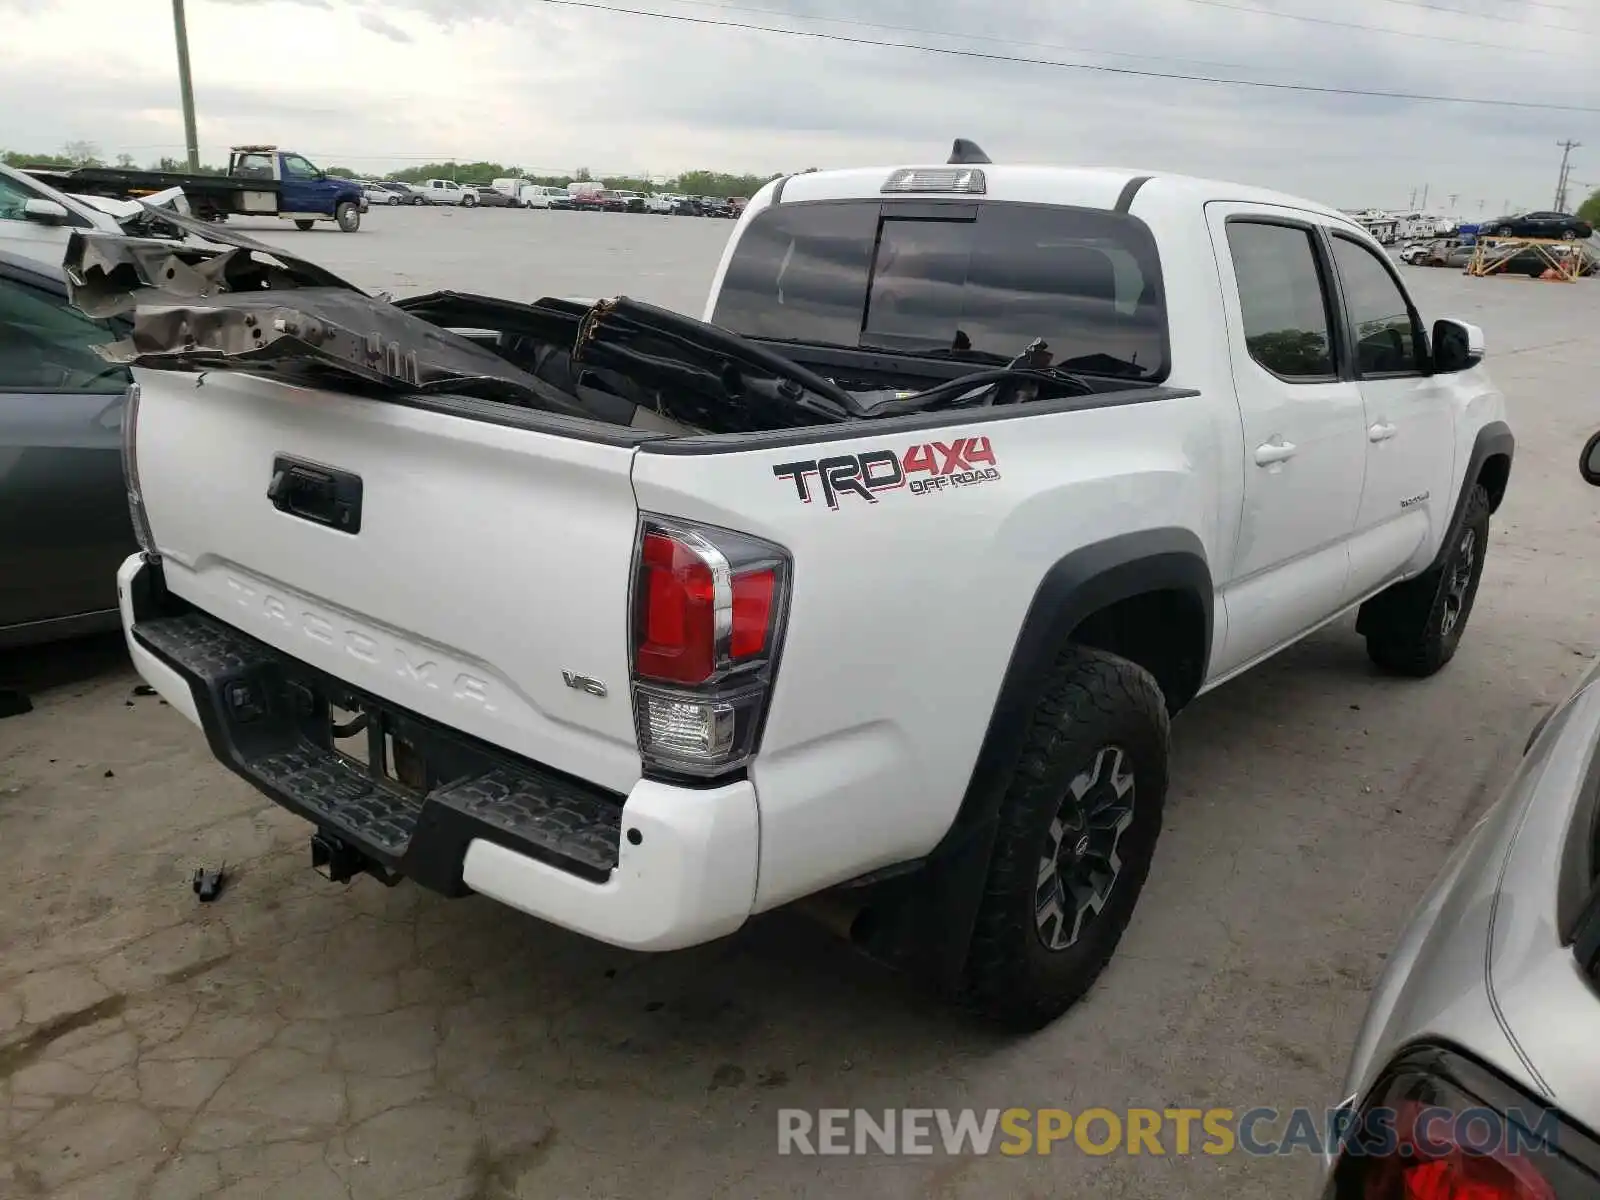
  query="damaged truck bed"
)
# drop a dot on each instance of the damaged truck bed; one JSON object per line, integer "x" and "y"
{"x": 241, "y": 305}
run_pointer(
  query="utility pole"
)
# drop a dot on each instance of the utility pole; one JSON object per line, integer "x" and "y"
{"x": 1567, "y": 147}
{"x": 1413, "y": 203}
{"x": 1424, "y": 197}
{"x": 186, "y": 86}
{"x": 1454, "y": 196}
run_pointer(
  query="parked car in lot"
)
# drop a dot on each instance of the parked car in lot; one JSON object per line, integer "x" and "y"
{"x": 1488, "y": 1008}
{"x": 1446, "y": 252}
{"x": 491, "y": 197}
{"x": 623, "y": 201}
{"x": 385, "y": 192}
{"x": 511, "y": 186}
{"x": 64, "y": 522}
{"x": 36, "y": 219}
{"x": 715, "y": 206}
{"x": 536, "y": 195}
{"x": 448, "y": 191}
{"x": 1539, "y": 225}
{"x": 594, "y": 201}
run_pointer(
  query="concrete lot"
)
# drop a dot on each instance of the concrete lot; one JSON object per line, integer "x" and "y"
{"x": 300, "y": 1040}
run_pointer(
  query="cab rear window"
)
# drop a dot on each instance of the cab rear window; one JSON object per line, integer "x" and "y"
{"x": 955, "y": 280}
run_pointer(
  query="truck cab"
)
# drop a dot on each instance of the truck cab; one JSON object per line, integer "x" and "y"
{"x": 305, "y": 193}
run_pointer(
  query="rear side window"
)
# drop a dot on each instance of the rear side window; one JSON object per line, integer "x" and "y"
{"x": 1385, "y": 337}
{"x": 977, "y": 281}
{"x": 257, "y": 166}
{"x": 1284, "y": 305}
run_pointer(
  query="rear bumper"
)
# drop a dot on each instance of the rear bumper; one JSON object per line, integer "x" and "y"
{"x": 660, "y": 868}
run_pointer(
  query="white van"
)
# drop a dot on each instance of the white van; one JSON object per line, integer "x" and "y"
{"x": 538, "y": 195}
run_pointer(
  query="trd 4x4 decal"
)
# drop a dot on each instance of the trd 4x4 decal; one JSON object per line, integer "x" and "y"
{"x": 925, "y": 468}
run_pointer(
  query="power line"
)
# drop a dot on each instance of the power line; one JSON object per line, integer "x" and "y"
{"x": 1100, "y": 68}
{"x": 1424, "y": 37}
{"x": 1483, "y": 16}
{"x": 977, "y": 37}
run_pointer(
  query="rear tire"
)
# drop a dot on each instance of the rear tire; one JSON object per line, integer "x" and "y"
{"x": 393, "y": 199}
{"x": 1077, "y": 829}
{"x": 1414, "y": 627}
{"x": 304, "y": 225}
{"x": 348, "y": 215}
{"x": 469, "y": 202}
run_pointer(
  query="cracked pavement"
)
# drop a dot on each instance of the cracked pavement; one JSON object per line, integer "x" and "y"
{"x": 300, "y": 1040}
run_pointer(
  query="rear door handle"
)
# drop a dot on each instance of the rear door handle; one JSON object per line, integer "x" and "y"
{"x": 1275, "y": 451}
{"x": 1381, "y": 432}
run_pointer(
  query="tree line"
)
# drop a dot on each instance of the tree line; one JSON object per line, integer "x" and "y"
{"x": 693, "y": 183}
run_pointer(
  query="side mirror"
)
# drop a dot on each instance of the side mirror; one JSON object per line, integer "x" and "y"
{"x": 1457, "y": 346}
{"x": 46, "y": 212}
{"x": 1589, "y": 461}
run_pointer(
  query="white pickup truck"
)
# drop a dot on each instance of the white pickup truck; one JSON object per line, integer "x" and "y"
{"x": 448, "y": 191}
{"x": 878, "y": 587}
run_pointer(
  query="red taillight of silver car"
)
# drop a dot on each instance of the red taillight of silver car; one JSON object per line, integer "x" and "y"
{"x": 1438, "y": 1125}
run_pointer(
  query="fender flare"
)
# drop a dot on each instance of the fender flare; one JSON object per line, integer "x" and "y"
{"x": 1494, "y": 439}
{"x": 933, "y": 909}
{"x": 1075, "y": 587}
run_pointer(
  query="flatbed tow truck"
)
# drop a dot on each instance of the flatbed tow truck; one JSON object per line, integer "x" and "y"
{"x": 261, "y": 181}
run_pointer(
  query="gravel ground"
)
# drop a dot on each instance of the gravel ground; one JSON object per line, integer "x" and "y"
{"x": 299, "y": 1040}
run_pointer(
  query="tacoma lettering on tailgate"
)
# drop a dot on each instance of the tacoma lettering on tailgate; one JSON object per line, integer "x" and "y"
{"x": 414, "y": 668}
{"x": 923, "y": 469}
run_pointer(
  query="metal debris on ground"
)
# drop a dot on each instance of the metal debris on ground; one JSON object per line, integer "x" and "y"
{"x": 208, "y": 882}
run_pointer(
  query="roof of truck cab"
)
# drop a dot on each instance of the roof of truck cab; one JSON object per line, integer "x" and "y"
{"x": 1085, "y": 187}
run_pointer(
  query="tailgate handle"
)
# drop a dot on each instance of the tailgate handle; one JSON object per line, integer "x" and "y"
{"x": 313, "y": 492}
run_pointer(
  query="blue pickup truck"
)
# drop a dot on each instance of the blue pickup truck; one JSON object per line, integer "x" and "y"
{"x": 262, "y": 181}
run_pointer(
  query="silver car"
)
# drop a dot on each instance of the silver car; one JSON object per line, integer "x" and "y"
{"x": 1476, "y": 1074}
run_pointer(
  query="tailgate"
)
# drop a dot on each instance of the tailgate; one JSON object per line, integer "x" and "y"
{"x": 467, "y": 565}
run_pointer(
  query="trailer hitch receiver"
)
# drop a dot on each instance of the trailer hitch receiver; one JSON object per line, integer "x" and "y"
{"x": 337, "y": 861}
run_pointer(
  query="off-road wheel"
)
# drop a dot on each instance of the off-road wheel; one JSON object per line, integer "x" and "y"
{"x": 1414, "y": 627}
{"x": 1077, "y": 829}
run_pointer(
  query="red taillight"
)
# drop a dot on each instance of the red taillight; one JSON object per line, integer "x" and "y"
{"x": 708, "y": 615}
{"x": 1463, "y": 1176}
{"x": 678, "y": 642}
{"x": 1438, "y": 1125}
{"x": 752, "y": 612}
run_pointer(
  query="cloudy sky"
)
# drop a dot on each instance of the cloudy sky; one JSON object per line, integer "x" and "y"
{"x": 381, "y": 84}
